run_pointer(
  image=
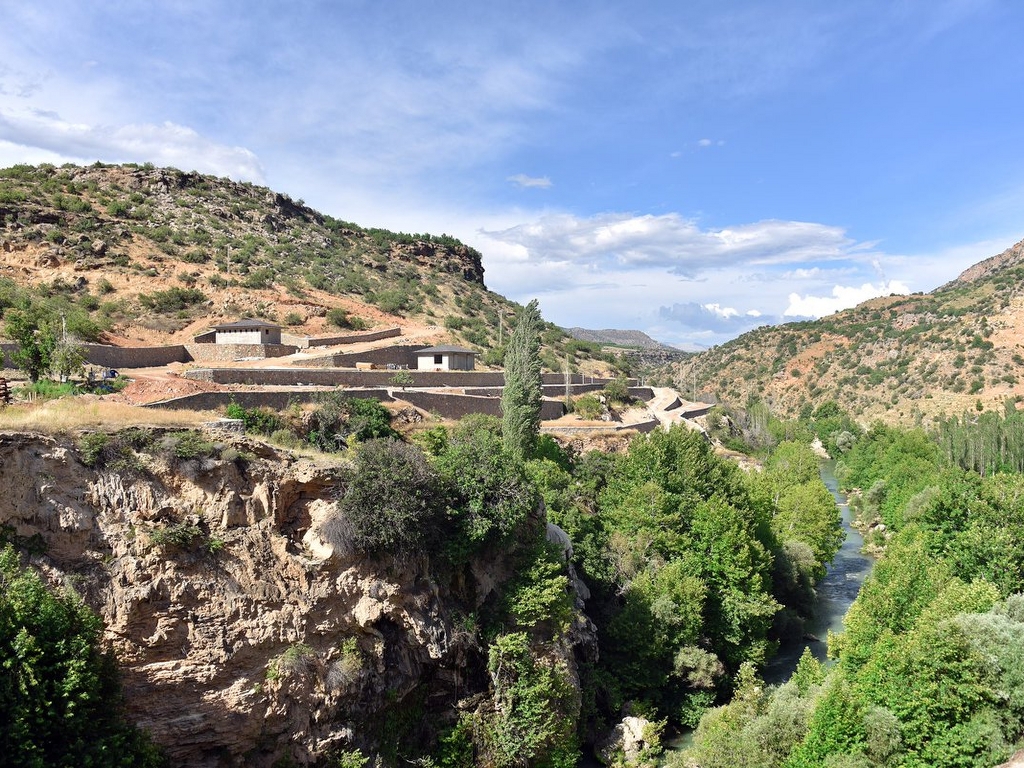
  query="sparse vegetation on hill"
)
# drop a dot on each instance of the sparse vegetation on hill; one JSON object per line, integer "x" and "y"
{"x": 154, "y": 255}
{"x": 899, "y": 358}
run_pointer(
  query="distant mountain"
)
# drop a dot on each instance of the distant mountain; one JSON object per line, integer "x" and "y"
{"x": 895, "y": 358}
{"x": 637, "y": 339}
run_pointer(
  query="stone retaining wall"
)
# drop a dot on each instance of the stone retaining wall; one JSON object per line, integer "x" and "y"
{"x": 5, "y": 355}
{"x": 328, "y": 377}
{"x": 134, "y": 357}
{"x": 229, "y": 352}
{"x": 305, "y": 342}
{"x": 453, "y": 406}
{"x": 403, "y": 355}
{"x": 643, "y": 426}
{"x": 116, "y": 357}
{"x": 278, "y": 401}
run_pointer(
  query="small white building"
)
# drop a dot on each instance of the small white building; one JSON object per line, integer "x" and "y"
{"x": 445, "y": 358}
{"x": 247, "y": 331}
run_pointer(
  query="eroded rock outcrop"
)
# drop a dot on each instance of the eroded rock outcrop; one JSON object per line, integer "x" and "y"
{"x": 244, "y": 636}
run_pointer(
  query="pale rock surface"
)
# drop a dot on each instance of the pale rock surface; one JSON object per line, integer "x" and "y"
{"x": 232, "y": 653}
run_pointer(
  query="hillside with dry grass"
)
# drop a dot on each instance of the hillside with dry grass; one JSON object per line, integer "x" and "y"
{"x": 897, "y": 358}
{"x": 137, "y": 255}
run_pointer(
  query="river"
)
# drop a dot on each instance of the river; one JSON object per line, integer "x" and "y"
{"x": 836, "y": 592}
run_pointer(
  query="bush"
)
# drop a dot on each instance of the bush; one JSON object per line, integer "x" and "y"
{"x": 172, "y": 300}
{"x": 393, "y": 502}
{"x": 588, "y": 407}
{"x": 59, "y": 694}
{"x": 188, "y": 444}
{"x": 617, "y": 391}
{"x": 491, "y": 497}
{"x": 260, "y": 420}
{"x": 339, "y": 318}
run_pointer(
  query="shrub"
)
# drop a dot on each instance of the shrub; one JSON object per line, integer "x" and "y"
{"x": 61, "y": 701}
{"x": 177, "y": 535}
{"x": 172, "y": 300}
{"x": 617, "y": 391}
{"x": 588, "y": 407}
{"x": 188, "y": 444}
{"x": 490, "y": 496}
{"x": 260, "y": 420}
{"x": 296, "y": 659}
{"x": 393, "y": 502}
{"x": 339, "y": 318}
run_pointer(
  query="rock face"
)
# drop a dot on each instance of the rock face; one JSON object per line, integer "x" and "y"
{"x": 627, "y": 741}
{"x": 243, "y": 635}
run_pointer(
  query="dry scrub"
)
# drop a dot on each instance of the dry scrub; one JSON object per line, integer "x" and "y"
{"x": 71, "y": 414}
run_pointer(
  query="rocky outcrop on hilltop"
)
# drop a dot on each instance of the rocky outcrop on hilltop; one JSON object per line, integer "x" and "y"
{"x": 245, "y": 636}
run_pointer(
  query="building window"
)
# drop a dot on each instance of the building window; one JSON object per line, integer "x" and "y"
{"x": 437, "y": 360}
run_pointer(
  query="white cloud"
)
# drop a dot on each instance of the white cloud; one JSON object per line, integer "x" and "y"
{"x": 704, "y": 143}
{"x": 37, "y": 132}
{"x": 621, "y": 241}
{"x": 711, "y": 318}
{"x": 522, "y": 180}
{"x": 843, "y": 297}
{"x": 723, "y": 312}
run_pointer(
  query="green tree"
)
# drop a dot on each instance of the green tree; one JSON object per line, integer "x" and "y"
{"x": 31, "y": 330}
{"x": 489, "y": 496}
{"x": 521, "y": 397}
{"x": 393, "y": 502}
{"x": 60, "y": 701}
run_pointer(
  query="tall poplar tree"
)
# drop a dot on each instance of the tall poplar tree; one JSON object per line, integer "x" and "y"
{"x": 521, "y": 398}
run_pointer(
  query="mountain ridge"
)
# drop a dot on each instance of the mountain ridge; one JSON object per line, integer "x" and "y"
{"x": 905, "y": 359}
{"x": 139, "y": 255}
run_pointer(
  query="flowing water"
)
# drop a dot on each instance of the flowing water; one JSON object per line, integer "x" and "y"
{"x": 835, "y": 592}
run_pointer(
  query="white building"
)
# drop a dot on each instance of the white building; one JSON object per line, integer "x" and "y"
{"x": 247, "y": 331}
{"x": 445, "y": 358}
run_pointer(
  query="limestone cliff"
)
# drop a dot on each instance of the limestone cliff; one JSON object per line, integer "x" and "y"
{"x": 243, "y": 635}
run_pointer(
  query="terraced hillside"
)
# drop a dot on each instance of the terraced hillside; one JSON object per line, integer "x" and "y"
{"x": 898, "y": 358}
{"x": 138, "y": 254}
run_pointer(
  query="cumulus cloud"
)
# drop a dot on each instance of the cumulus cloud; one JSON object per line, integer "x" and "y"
{"x": 621, "y": 241}
{"x": 712, "y": 317}
{"x": 522, "y": 180}
{"x": 843, "y": 297}
{"x": 163, "y": 144}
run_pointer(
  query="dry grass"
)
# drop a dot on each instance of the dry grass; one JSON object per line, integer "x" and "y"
{"x": 68, "y": 414}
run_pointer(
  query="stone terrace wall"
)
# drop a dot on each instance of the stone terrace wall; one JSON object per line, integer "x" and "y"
{"x": 134, "y": 357}
{"x": 116, "y": 357}
{"x": 643, "y": 426}
{"x": 5, "y": 355}
{"x": 327, "y": 377}
{"x": 400, "y": 354}
{"x": 228, "y": 352}
{"x": 278, "y": 401}
{"x": 452, "y": 406}
{"x": 305, "y": 342}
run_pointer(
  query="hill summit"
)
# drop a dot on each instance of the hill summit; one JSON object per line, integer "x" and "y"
{"x": 896, "y": 358}
{"x": 142, "y": 255}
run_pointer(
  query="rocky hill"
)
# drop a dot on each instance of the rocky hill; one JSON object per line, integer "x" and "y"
{"x": 250, "y": 630}
{"x": 157, "y": 255}
{"x": 897, "y": 358}
{"x": 637, "y": 339}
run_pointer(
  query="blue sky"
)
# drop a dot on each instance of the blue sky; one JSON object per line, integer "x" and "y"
{"x": 690, "y": 169}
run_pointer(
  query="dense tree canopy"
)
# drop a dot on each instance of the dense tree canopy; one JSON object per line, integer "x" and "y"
{"x": 59, "y": 692}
